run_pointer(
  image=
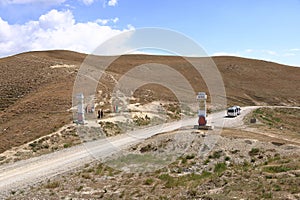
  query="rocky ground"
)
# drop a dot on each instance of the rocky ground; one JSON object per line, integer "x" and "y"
{"x": 241, "y": 165}
{"x": 256, "y": 161}
{"x": 112, "y": 124}
{"x": 63, "y": 138}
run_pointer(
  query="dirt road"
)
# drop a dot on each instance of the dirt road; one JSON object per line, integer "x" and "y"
{"x": 29, "y": 172}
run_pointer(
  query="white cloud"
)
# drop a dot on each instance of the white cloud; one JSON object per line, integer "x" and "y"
{"x": 225, "y": 54}
{"x": 296, "y": 49}
{"x": 102, "y": 21}
{"x": 106, "y": 21}
{"x": 51, "y": 2}
{"x": 289, "y": 54}
{"x": 288, "y": 57}
{"x": 112, "y": 2}
{"x": 130, "y": 27}
{"x": 115, "y": 20}
{"x": 56, "y": 20}
{"x": 87, "y": 2}
{"x": 273, "y": 53}
{"x": 249, "y": 50}
{"x": 53, "y": 30}
{"x": 44, "y": 2}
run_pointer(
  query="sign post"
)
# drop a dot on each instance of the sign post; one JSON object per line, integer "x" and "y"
{"x": 202, "y": 114}
{"x": 80, "y": 108}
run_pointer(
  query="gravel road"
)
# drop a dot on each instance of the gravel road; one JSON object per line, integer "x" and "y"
{"x": 29, "y": 172}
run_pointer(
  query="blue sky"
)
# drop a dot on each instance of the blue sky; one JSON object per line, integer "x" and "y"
{"x": 262, "y": 29}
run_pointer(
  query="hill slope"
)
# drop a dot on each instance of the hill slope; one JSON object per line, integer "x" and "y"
{"x": 35, "y": 96}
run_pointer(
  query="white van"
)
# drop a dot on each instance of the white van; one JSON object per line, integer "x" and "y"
{"x": 232, "y": 112}
{"x": 238, "y": 109}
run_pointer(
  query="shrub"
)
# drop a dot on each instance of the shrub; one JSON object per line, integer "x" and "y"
{"x": 149, "y": 181}
{"x": 34, "y": 144}
{"x": 227, "y": 158}
{"x": 67, "y": 145}
{"x": 215, "y": 155}
{"x": 79, "y": 188}
{"x": 219, "y": 168}
{"x": 253, "y": 152}
{"x": 86, "y": 176}
{"x": 277, "y": 169}
{"x": 188, "y": 157}
{"x": 183, "y": 160}
{"x": 277, "y": 188}
{"x": 170, "y": 181}
{"x": 52, "y": 185}
{"x": 206, "y": 161}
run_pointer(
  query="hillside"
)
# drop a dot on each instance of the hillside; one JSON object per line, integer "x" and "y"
{"x": 35, "y": 96}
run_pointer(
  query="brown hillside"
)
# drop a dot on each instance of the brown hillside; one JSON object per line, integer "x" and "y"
{"x": 35, "y": 98}
{"x": 251, "y": 81}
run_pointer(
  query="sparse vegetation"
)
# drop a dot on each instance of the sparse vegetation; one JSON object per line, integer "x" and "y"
{"x": 173, "y": 111}
{"x": 30, "y": 111}
{"x": 257, "y": 180}
{"x": 227, "y": 158}
{"x": 79, "y": 188}
{"x": 141, "y": 121}
{"x": 220, "y": 167}
{"x": 149, "y": 181}
{"x": 171, "y": 182}
{"x": 67, "y": 145}
{"x": 86, "y": 176}
{"x": 282, "y": 119}
{"x": 206, "y": 162}
{"x": 47, "y": 144}
{"x": 110, "y": 128}
{"x": 254, "y": 152}
{"x": 215, "y": 155}
{"x": 276, "y": 169}
{"x": 52, "y": 185}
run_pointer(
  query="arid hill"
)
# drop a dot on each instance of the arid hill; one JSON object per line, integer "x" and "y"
{"x": 36, "y": 88}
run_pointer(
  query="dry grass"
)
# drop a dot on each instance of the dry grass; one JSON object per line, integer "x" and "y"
{"x": 35, "y": 98}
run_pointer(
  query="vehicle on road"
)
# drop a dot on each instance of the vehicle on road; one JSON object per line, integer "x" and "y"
{"x": 233, "y": 111}
{"x": 238, "y": 109}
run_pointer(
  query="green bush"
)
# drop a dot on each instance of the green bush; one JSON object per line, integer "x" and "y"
{"x": 220, "y": 167}
{"x": 206, "y": 162}
{"x": 67, "y": 145}
{"x": 169, "y": 180}
{"x": 253, "y": 152}
{"x": 227, "y": 158}
{"x": 277, "y": 169}
{"x": 149, "y": 181}
{"x": 188, "y": 157}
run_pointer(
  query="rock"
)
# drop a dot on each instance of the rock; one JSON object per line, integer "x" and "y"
{"x": 277, "y": 143}
{"x": 248, "y": 142}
